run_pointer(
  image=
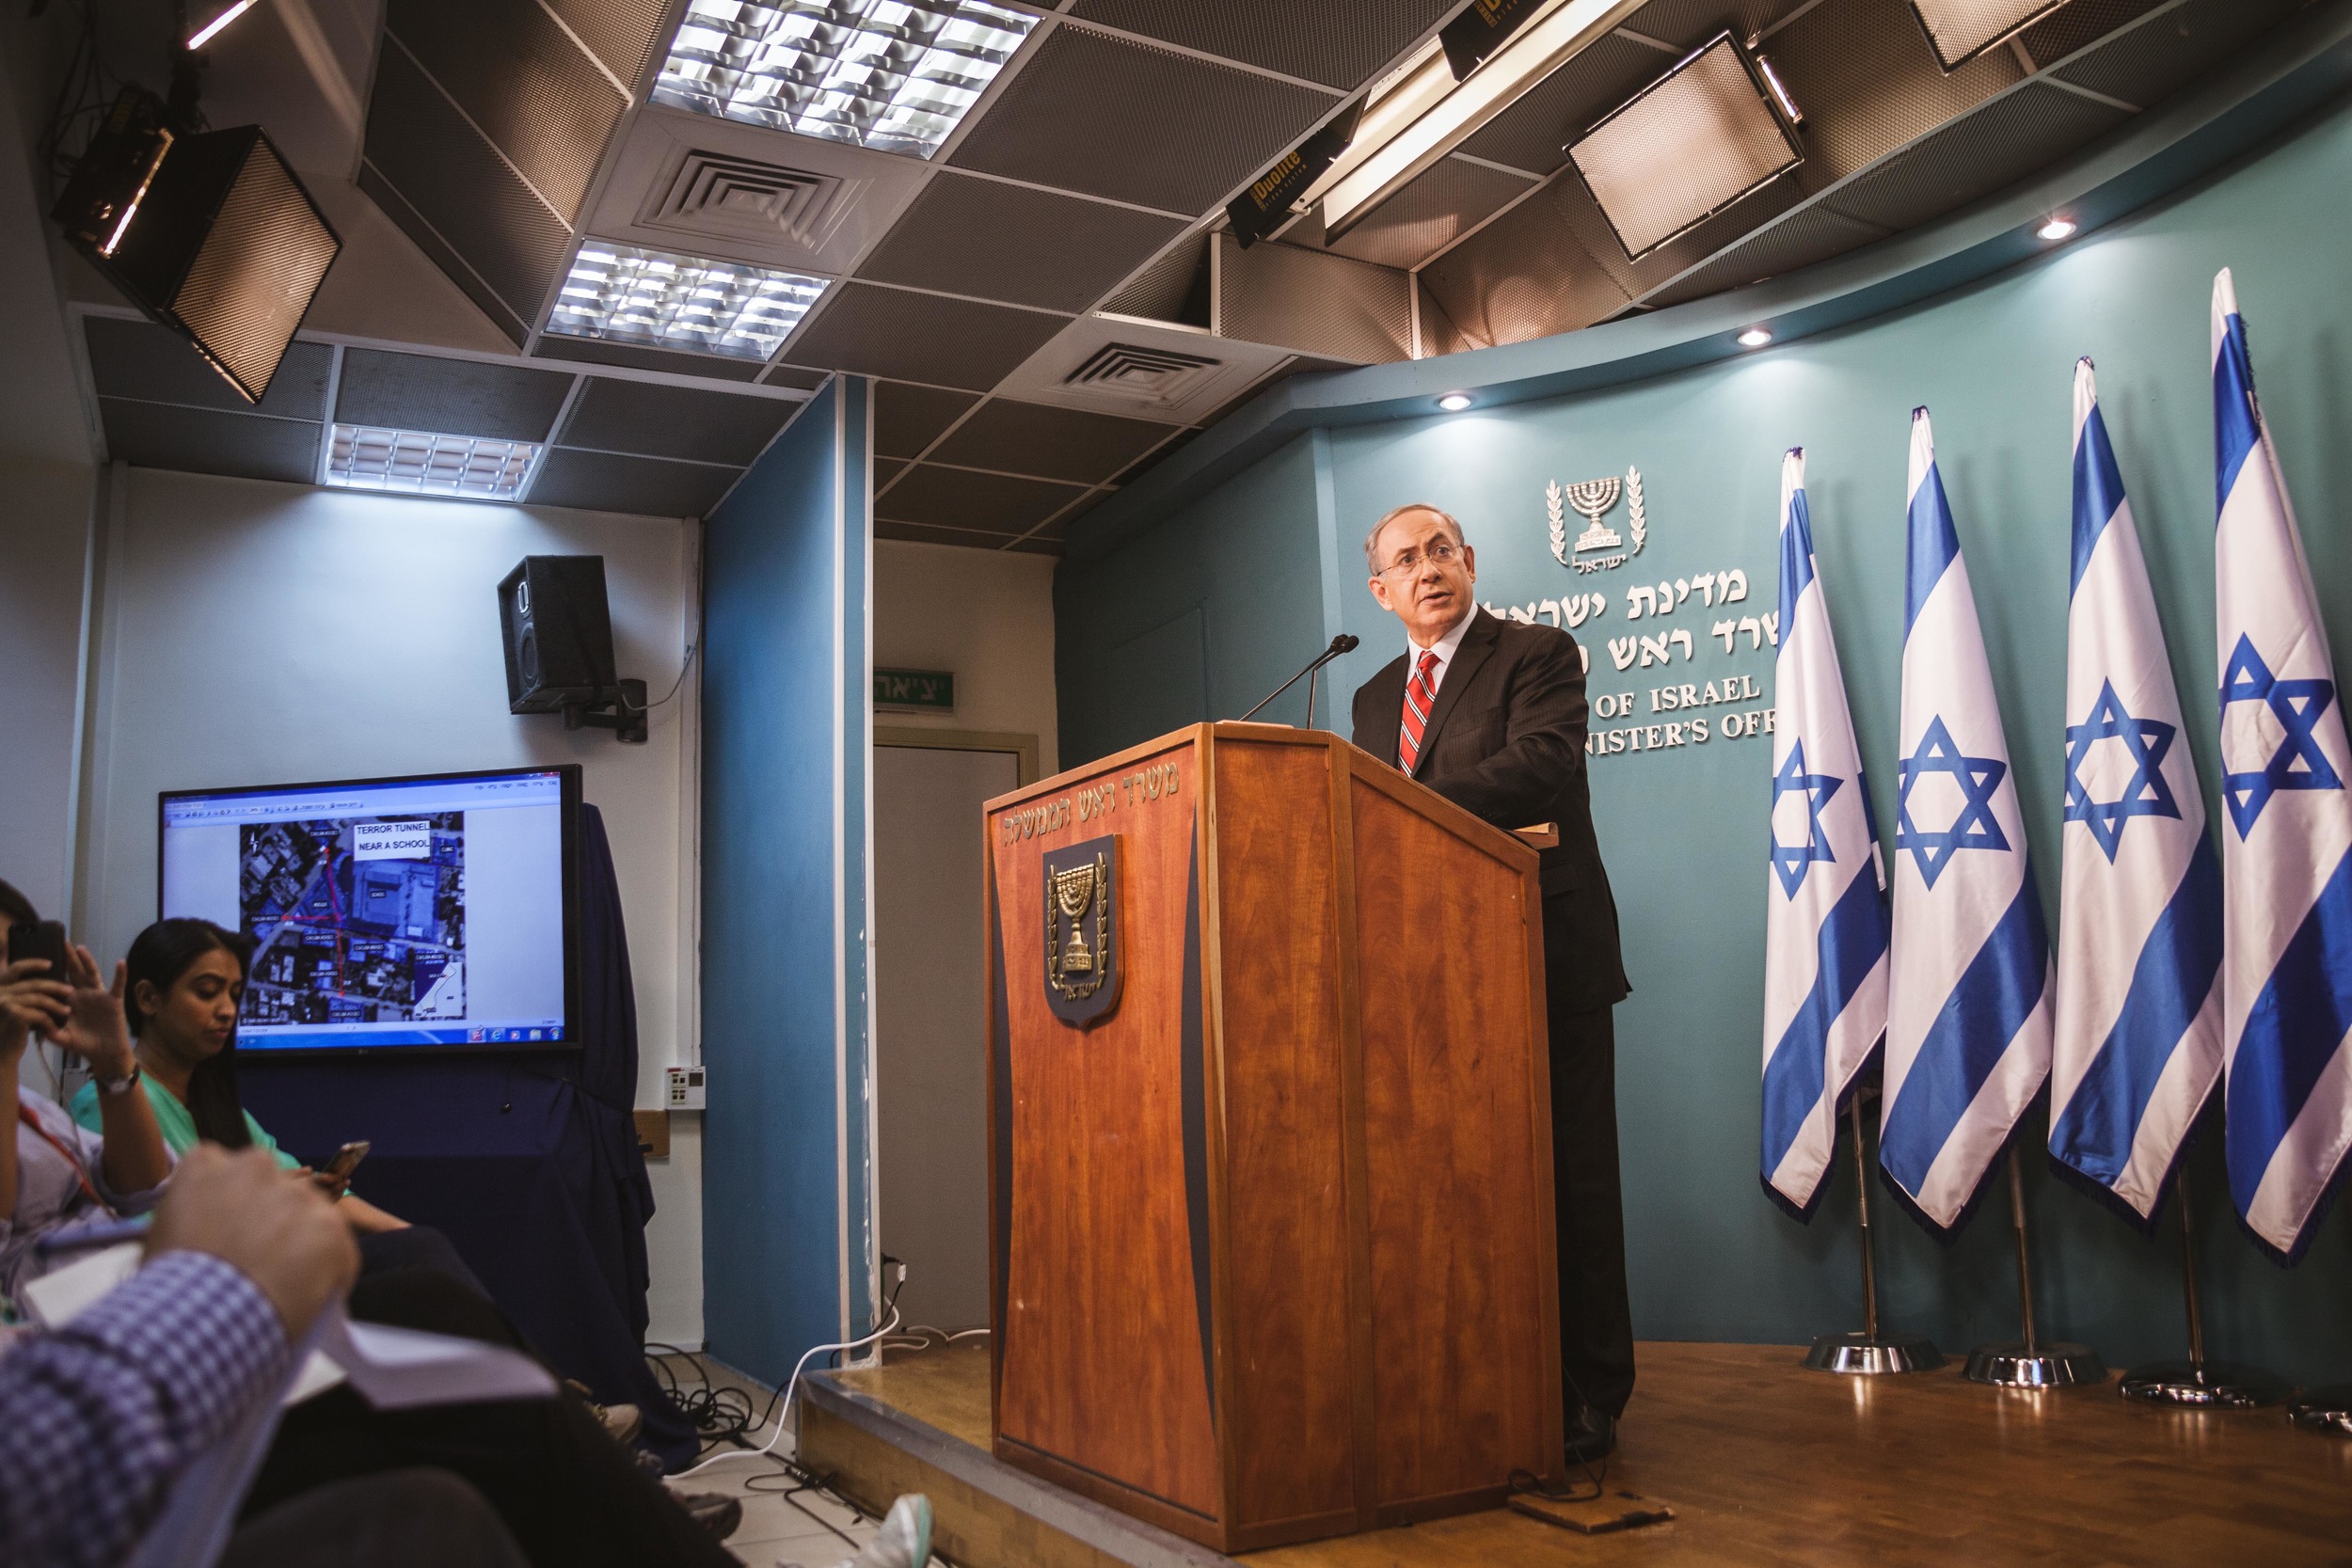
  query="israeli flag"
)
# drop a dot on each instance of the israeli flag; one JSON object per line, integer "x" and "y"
{"x": 1825, "y": 932}
{"x": 1968, "y": 1008}
{"x": 2286, "y": 964}
{"x": 2138, "y": 1043}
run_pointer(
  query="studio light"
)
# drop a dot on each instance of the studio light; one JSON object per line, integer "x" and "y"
{"x": 1754, "y": 336}
{"x": 221, "y": 17}
{"x": 1453, "y": 402}
{"x": 470, "y": 468}
{"x": 1422, "y": 113}
{"x": 1960, "y": 30}
{"x": 2059, "y": 229}
{"x": 893, "y": 74}
{"x": 637, "y": 295}
{"x": 1688, "y": 146}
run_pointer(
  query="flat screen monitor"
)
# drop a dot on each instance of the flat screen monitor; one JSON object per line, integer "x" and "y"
{"x": 432, "y": 912}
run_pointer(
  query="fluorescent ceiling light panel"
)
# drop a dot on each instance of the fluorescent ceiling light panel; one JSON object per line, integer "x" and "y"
{"x": 1426, "y": 115}
{"x": 1960, "y": 30}
{"x": 635, "y": 295}
{"x": 1691, "y": 144}
{"x": 469, "y": 468}
{"x": 893, "y": 74}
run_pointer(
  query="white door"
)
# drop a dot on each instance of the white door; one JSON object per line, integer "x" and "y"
{"x": 931, "y": 1051}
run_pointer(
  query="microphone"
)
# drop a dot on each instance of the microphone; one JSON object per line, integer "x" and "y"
{"x": 1343, "y": 644}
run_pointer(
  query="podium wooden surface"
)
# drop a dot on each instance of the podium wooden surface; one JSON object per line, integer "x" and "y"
{"x": 1272, "y": 1241}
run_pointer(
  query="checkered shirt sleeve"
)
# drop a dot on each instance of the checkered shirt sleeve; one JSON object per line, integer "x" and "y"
{"x": 98, "y": 1418}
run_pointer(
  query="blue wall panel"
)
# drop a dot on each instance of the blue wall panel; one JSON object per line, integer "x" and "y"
{"x": 1684, "y": 829}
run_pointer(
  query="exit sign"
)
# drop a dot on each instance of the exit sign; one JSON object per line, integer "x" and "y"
{"x": 932, "y": 688}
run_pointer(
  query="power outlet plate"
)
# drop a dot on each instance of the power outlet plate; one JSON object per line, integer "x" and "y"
{"x": 686, "y": 1089}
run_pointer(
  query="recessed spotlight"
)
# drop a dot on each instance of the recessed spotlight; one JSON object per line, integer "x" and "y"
{"x": 1754, "y": 336}
{"x": 2059, "y": 229}
{"x": 1453, "y": 402}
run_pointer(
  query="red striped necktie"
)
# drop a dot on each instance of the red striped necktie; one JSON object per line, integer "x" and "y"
{"x": 1420, "y": 696}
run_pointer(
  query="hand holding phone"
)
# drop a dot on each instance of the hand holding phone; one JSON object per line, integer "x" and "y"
{"x": 39, "y": 939}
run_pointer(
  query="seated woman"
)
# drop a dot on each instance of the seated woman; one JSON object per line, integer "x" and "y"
{"x": 53, "y": 1174}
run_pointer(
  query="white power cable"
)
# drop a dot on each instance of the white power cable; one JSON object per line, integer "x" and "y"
{"x": 784, "y": 1411}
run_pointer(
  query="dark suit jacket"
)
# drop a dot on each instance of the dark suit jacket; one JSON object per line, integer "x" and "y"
{"x": 1507, "y": 743}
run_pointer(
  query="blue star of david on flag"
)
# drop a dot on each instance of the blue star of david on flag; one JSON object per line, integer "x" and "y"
{"x": 1974, "y": 826}
{"x": 1791, "y": 860}
{"x": 2145, "y": 794}
{"x": 2296, "y": 704}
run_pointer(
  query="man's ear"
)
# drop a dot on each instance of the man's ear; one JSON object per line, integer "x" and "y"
{"x": 1380, "y": 594}
{"x": 1469, "y": 562}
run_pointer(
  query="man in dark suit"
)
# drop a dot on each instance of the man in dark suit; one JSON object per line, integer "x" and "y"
{"x": 1490, "y": 714}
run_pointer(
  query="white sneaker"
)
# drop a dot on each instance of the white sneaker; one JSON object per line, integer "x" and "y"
{"x": 903, "y": 1541}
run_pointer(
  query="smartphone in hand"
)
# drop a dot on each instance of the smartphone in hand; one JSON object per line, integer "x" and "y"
{"x": 39, "y": 939}
{"x": 347, "y": 1160}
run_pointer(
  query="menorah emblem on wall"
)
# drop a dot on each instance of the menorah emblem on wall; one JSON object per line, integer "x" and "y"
{"x": 1593, "y": 499}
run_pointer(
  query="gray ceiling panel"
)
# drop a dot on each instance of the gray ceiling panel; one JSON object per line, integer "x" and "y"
{"x": 2082, "y": 22}
{"x": 139, "y": 360}
{"x": 621, "y": 33}
{"x": 674, "y": 421}
{"x": 1452, "y": 198}
{"x": 1161, "y": 290}
{"x": 1526, "y": 275}
{"x": 1038, "y": 544}
{"x": 1532, "y": 133}
{"x": 958, "y": 498}
{"x": 206, "y": 441}
{"x": 1111, "y": 119}
{"x": 911, "y": 336}
{"x": 886, "y": 469}
{"x": 452, "y": 180}
{"x": 1341, "y": 44}
{"x": 1688, "y": 24}
{"x": 1812, "y": 236}
{"x": 1868, "y": 81}
{"x": 1315, "y": 301}
{"x": 449, "y": 397}
{"x": 519, "y": 77}
{"x": 928, "y": 533}
{"x": 972, "y": 236}
{"x": 801, "y": 376}
{"x": 605, "y": 481}
{"x": 908, "y": 419}
{"x": 601, "y": 351}
{"x": 2156, "y": 59}
{"x": 423, "y": 234}
{"x": 1052, "y": 443}
{"x": 2003, "y": 141}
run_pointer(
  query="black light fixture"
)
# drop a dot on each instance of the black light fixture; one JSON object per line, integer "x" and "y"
{"x": 1960, "y": 30}
{"x": 209, "y": 232}
{"x": 1707, "y": 132}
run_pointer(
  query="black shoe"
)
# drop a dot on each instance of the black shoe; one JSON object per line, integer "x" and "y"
{"x": 1591, "y": 1434}
{"x": 717, "y": 1514}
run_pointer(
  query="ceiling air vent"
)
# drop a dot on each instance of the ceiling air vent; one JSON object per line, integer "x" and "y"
{"x": 743, "y": 198}
{"x": 1152, "y": 377}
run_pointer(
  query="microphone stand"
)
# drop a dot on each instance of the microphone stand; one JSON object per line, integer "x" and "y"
{"x": 1343, "y": 644}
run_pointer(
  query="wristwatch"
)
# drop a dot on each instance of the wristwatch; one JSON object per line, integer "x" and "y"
{"x": 121, "y": 1084}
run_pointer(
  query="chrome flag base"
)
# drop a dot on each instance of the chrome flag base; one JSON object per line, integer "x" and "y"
{"x": 2050, "y": 1366}
{"x": 1860, "y": 1354}
{"x": 2203, "y": 1385}
{"x": 2327, "y": 1409}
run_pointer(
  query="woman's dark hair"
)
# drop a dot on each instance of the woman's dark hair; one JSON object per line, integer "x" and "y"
{"x": 163, "y": 953}
{"x": 15, "y": 909}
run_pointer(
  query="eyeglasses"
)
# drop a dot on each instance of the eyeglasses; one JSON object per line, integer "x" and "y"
{"x": 1440, "y": 554}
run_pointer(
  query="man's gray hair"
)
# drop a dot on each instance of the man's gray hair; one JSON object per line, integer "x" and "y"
{"x": 1372, "y": 540}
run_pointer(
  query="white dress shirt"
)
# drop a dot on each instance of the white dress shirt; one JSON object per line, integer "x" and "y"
{"x": 1444, "y": 648}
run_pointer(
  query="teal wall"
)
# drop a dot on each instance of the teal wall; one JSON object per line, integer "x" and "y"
{"x": 1683, "y": 829}
{"x": 787, "y": 732}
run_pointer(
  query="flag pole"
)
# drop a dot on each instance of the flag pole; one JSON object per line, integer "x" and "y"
{"x": 1867, "y": 1354}
{"x": 2198, "y": 1383}
{"x": 2031, "y": 1364}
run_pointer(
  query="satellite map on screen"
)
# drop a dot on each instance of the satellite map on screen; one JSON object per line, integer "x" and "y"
{"x": 357, "y": 920}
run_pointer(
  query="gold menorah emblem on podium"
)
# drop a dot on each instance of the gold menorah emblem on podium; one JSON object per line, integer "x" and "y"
{"x": 1074, "y": 893}
{"x": 1592, "y": 498}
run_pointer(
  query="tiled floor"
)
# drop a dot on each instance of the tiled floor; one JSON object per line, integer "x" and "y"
{"x": 781, "y": 1528}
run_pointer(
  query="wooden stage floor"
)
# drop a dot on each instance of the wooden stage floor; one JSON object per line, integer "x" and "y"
{"x": 1764, "y": 1462}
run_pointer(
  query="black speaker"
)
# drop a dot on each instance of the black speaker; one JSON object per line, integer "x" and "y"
{"x": 210, "y": 233}
{"x": 559, "y": 634}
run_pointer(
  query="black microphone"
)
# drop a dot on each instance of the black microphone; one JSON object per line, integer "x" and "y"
{"x": 1343, "y": 644}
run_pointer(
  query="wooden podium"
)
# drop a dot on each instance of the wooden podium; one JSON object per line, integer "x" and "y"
{"x": 1272, "y": 1242}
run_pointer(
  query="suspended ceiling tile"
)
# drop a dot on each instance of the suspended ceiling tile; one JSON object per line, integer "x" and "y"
{"x": 449, "y": 397}
{"x": 598, "y": 351}
{"x": 928, "y": 533}
{"x": 621, "y": 33}
{"x": 522, "y": 80}
{"x": 906, "y": 336}
{"x": 2002, "y": 142}
{"x": 2159, "y": 58}
{"x": 1112, "y": 118}
{"x": 1534, "y": 133}
{"x": 674, "y": 421}
{"x": 973, "y": 236}
{"x": 1524, "y": 276}
{"x": 607, "y": 482}
{"x": 2082, "y": 22}
{"x": 1053, "y": 443}
{"x": 1340, "y": 43}
{"x": 1813, "y": 235}
{"x": 1166, "y": 290}
{"x": 886, "y": 469}
{"x": 1688, "y": 24}
{"x": 1452, "y": 198}
{"x": 207, "y": 441}
{"x": 797, "y": 376}
{"x": 909, "y": 418}
{"x": 1038, "y": 544}
{"x": 458, "y": 198}
{"x": 1314, "y": 301}
{"x": 958, "y": 498}
{"x": 1142, "y": 370}
{"x": 1866, "y": 78}
{"x": 140, "y": 359}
